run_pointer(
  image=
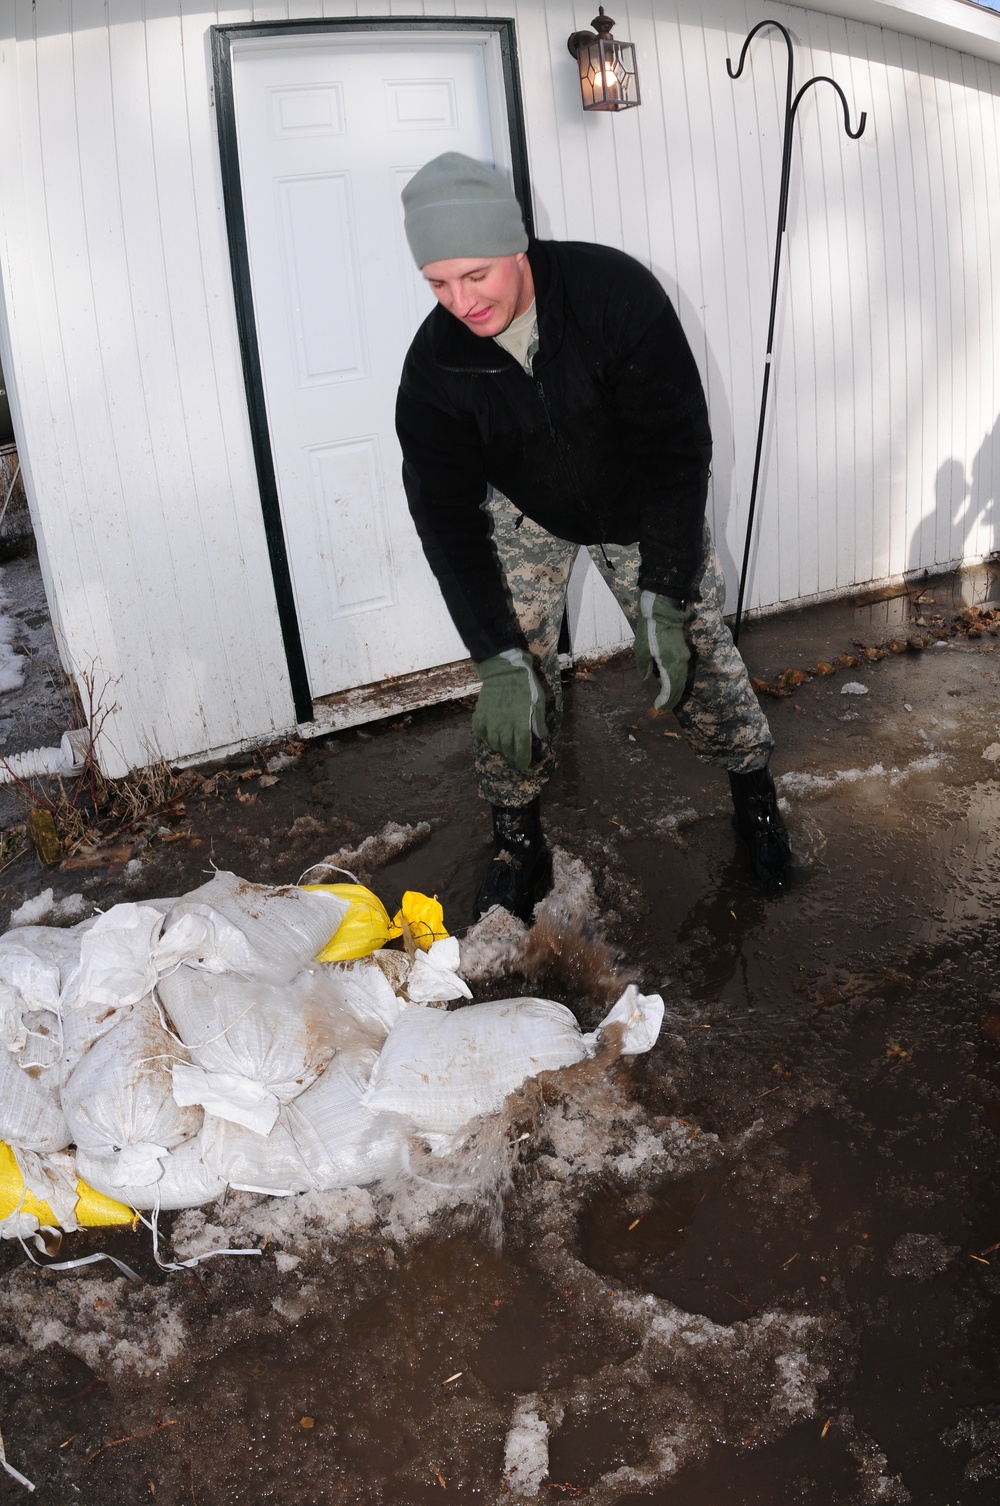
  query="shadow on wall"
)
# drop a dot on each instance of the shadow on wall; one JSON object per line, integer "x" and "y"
{"x": 965, "y": 511}
{"x": 721, "y": 500}
{"x": 720, "y": 488}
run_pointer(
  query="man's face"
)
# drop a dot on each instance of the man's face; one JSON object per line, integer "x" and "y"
{"x": 485, "y": 292}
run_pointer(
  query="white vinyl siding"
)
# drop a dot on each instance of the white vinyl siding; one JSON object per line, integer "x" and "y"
{"x": 881, "y": 454}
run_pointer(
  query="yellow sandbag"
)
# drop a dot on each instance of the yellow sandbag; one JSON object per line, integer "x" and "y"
{"x": 364, "y": 928}
{"x": 93, "y": 1210}
{"x": 423, "y": 915}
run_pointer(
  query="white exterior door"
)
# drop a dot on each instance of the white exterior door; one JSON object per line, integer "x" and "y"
{"x": 329, "y": 132}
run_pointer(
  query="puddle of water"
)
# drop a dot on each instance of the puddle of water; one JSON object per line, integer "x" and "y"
{"x": 802, "y": 1469}
{"x": 822, "y": 1104}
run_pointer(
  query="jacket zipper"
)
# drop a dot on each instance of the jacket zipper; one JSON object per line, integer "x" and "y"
{"x": 548, "y": 417}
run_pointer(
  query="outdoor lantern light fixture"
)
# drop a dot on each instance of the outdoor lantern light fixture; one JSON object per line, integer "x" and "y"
{"x": 609, "y": 79}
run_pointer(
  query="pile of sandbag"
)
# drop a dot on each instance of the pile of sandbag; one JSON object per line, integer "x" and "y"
{"x": 161, "y": 1052}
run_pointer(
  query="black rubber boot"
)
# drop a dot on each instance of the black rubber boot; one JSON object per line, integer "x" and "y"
{"x": 758, "y": 823}
{"x": 521, "y": 873}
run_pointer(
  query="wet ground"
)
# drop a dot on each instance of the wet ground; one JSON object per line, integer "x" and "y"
{"x": 759, "y": 1265}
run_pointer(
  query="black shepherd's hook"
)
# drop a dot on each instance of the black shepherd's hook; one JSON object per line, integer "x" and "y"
{"x": 791, "y": 105}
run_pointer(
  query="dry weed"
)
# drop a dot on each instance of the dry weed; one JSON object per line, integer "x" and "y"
{"x": 88, "y": 812}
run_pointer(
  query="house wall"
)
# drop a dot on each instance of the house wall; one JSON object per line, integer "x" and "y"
{"x": 119, "y": 337}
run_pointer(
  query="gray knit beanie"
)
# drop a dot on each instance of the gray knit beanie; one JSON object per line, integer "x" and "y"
{"x": 455, "y": 206}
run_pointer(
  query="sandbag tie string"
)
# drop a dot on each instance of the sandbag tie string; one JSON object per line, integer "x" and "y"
{"x": 180, "y": 1265}
{"x": 14, "y": 1473}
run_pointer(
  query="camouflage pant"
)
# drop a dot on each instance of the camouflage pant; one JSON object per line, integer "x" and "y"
{"x": 718, "y": 713}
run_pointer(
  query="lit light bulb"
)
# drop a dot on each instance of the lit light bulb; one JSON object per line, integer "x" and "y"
{"x": 604, "y": 76}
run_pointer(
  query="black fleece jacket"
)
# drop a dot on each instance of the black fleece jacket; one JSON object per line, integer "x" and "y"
{"x": 606, "y": 442}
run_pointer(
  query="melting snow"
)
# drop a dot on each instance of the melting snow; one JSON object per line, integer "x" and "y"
{"x": 526, "y": 1451}
{"x": 46, "y": 908}
{"x": 800, "y": 783}
{"x": 13, "y": 666}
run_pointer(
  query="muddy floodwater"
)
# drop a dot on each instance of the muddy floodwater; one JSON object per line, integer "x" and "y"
{"x": 760, "y": 1264}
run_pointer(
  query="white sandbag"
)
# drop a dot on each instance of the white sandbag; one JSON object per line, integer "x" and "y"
{"x": 30, "y": 1050}
{"x": 119, "y": 1102}
{"x": 441, "y": 1069}
{"x": 36, "y": 961}
{"x": 262, "y": 1043}
{"x": 20, "y": 1022}
{"x": 325, "y": 1139}
{"x": 394, "y": 965}
{"x": 637, "y": 1018}
{"x": 226, "y": 1095}
{"x": 257, "y": 930}
{"x": 359, "y": 1147}
{"x": 115, "y": 967}
{"x": 287, "y": 1159}
{"x": 184, "y": 1181}
{"x": 433, "y": 976}
{"x": 115, "y": 971}
{"x": 33, "y": 960}
{"x": 31, "y": 1115}
{"x": 363, "y": 989}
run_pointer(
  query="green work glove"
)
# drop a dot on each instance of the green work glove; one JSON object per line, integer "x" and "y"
{"x": 659, "y": 640}
{"x": 511, "y": 705}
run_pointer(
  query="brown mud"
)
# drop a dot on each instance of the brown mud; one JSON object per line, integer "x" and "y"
{"x": 759, "y": 1265}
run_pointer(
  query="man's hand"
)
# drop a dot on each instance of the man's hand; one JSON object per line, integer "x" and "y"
{"x": 511, "y": 705}
{"x": 659, "y": 640}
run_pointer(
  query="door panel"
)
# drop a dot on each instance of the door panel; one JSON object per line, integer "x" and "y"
{"x": 329, "y": 133}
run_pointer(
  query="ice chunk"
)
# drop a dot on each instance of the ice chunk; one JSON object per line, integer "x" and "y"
{"x": 39, "y": 908}
{"x": 526, "y": 1450}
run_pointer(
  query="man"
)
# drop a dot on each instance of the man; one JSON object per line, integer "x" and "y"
{"x": 550, "y": 402}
